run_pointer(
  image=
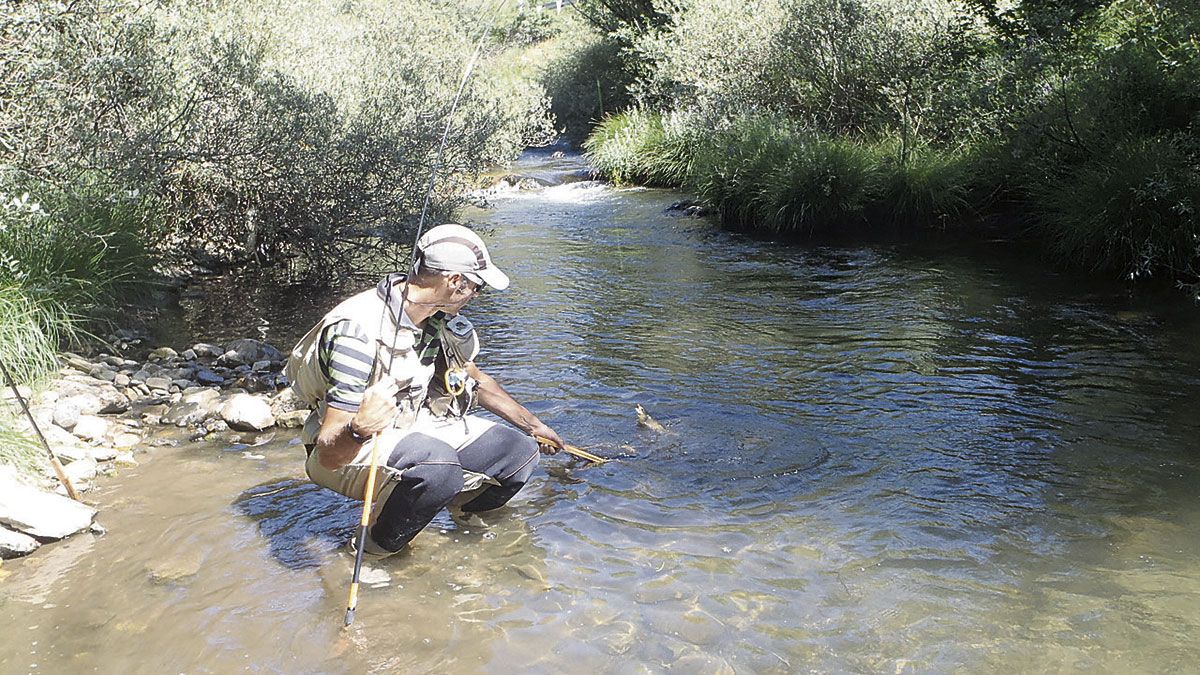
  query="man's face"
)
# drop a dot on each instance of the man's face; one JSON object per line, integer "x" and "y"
{"x": 459, "y": 291}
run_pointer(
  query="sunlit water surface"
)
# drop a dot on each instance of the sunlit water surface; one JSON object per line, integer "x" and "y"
{"x": 884, "y": 458}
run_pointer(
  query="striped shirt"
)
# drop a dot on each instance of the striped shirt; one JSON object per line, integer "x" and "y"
{"x": 347, "y": 359}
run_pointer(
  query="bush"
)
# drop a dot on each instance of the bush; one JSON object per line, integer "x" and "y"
{"x": 269, "y": 134}
{"x": 1133, "y": 211}
{"x": 643, "y": 148}
{"x": 67, "y": 258}
{"x": 586, "y": 77}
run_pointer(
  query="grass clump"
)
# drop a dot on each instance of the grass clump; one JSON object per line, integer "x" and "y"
{"x": 1133, "y": 210}
{"x": 66, "y": 258}
{"x": 767, "y": 173}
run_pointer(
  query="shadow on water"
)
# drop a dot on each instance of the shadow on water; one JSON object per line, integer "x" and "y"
{"x": 300, "y": 521}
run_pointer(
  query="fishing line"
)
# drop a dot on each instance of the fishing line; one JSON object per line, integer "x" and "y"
{"x": 368, "y": 493}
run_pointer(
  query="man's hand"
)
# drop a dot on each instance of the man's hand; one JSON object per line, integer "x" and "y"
{"x": 542, "y": 431}
{"x": 378, "y": 408}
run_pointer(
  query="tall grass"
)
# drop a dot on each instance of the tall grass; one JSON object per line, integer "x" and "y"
{"x": 766, "y": 173}
{"x": 641, "y": 147}
{"x": 67, "y": 258}
{"x": 17, "y": 449}
{"x": 1133, "y": 210}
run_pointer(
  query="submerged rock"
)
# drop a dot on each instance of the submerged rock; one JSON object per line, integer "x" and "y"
{"x": 247, "y": 351}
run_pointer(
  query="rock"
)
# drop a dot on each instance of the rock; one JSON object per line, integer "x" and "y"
{"x": 101, "y": 399}
{"x": 162, "y": 353}
{"x": 206, "y": 349}
{"x": 98, "y": 529}
{"x": 70, "y": 452}
{"x": 90, "y": 428}
{"x": 140, "y": 376}
{"x": 215, "y": 425}
{"x": 78, "y": 362}
{"x": 244, "y": 412}
{"x": 255, "y": 384}
{"x": 103, "y": 454}
{"x": 125, "y": 440}
{"x": 125, "y": 459}
{"x": 82, "y": 471}
{"x": 182, "y": 384}
{"x": 292, "y": 419}
{"x": 25, "y": 392}
{"x": 185, "y": 413}
{"x": 260, "y": 365}
{"x": 14, "y": 544}
{"x": 41, "y": 514}
{"x": 121, "y": 380}
{"x": 206, "y": 376}
{"x": 189, "y": 355}
{"x": 66, "y": 413}
{"x": 247, "y": 351}
{"x": 287, "y": 401}
{"x": 159, "y": 383}
{"x": 103, "y": 372}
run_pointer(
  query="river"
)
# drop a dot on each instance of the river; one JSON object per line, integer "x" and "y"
{"x": 886, "y": 457}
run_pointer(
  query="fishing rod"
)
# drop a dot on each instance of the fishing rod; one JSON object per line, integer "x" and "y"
{"x": 372, "y": 470}
{"x": 572, "y": 450}
{"x": 58, "y": 467}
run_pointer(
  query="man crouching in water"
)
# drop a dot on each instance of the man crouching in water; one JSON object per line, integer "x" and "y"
{"x": 408, "y": 375}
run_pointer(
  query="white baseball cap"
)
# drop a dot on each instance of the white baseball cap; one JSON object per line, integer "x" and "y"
{"x": 454, "y": 248}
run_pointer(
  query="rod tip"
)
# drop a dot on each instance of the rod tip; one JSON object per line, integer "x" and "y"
{"x": 349, "y": 618}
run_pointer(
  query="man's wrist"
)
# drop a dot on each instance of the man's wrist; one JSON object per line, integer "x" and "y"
{"x": 359, "y": 438}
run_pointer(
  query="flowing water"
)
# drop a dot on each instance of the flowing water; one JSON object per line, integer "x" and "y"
{"x": 880, "y": 458}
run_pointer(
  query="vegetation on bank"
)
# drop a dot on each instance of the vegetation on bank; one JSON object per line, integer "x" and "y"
{"x": 138, "y": 137}
{"x": 1077, "y": 120}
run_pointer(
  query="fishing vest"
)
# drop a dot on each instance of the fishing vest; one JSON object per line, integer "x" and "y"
{"x": 393, "y": 345}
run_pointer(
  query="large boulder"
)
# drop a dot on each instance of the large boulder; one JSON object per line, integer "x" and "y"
{"x": 244, "y": 412}
{"x": 94, "y": 398}
{"x": 14, "y": 544}
{"x": 247, "y": 351}
{"x": 41, "y": 514}
{"x": 190, "y": 410}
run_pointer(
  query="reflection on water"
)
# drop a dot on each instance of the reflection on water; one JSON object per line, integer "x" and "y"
{"x": 892, "y": 457}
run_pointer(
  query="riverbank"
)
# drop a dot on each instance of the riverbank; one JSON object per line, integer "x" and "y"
{"x": 767, "y": 175}
{"x": 98, "y": 412}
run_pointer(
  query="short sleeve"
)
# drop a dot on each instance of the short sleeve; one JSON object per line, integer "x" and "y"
{"x": 346, "y": 358}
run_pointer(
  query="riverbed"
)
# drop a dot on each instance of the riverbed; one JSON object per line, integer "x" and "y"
{"x": 886, "y": 457}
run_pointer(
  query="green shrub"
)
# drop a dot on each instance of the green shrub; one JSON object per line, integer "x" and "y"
{"x": 926, "y": 185}
{"x": 587, "y": 77}
{"x": 1132, "y": 211}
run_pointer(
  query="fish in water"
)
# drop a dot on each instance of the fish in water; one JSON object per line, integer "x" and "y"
{"x": 645, "y": 420}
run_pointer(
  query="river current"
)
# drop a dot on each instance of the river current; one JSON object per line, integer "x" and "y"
{"x": 881, "y": 457}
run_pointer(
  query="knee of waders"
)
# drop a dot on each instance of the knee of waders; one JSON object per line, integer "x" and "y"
{"x": 442, "y": 482}
{"x": 526, "y": 455}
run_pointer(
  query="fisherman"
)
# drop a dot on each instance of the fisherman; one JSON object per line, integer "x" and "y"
{"x": 398, "y": 362}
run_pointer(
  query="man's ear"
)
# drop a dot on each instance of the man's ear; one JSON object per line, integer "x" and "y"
{"x": 457, "y": 282}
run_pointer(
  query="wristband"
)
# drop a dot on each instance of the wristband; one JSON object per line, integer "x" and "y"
{"x": 358, "y": 438}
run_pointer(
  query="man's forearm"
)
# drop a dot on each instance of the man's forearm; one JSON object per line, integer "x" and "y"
{"x": 336, "y": 445}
